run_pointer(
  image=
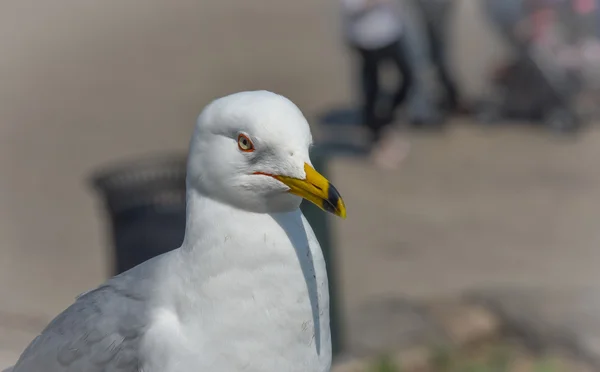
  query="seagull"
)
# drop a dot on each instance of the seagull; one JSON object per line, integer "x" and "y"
{"x": 246, "y": 291}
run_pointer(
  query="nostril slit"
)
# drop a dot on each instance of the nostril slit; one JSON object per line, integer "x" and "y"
{"x": 292, "y": 153}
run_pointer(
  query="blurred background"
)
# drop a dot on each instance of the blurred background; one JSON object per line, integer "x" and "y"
{"x": 503, "y": 191}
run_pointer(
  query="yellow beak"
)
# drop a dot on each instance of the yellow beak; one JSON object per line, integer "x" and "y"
{"x": 316, "y": 189}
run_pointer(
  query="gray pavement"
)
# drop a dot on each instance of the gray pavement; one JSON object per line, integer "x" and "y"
{"x": 549, "y": 319}
{"x": 471, "y": 209}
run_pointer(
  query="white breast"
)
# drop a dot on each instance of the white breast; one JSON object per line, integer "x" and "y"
{"x": 257, "y": 301}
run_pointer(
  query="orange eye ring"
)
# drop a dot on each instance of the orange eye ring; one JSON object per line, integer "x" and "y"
{"x": 244, "y": 143}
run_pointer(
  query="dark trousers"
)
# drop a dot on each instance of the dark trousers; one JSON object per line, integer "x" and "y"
{"x": 371, "y": 61}
{"x": 436, "y": 16}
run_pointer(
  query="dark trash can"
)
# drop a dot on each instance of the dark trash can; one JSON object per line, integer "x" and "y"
{"x": 145, "y": 203}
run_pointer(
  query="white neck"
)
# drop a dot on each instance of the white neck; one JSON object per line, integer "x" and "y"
{"x": 208, "y": 219}
{"x": 265, "y": 267}
{"x": 230, "y": 239}
{"x": 201, "y": 219}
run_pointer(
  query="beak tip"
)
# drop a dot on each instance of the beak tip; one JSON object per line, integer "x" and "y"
{"x": 316, "y": 189}
{"x": 341, "y": 208}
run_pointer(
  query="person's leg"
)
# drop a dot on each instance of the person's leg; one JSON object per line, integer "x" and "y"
{"x": 370, "y": 90}
{"x": 437, "y": 30}
{"x": 398, "y": 53}
{"x": 447, "y": 81}
{"x": 391, "y": 149}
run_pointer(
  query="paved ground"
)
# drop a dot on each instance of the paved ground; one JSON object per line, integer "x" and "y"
{"x": 85, "y": 84}
{"x": 472, "y": 209}
{"x": 549, "y": 319}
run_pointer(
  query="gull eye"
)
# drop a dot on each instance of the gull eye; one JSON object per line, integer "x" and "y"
{"x": 245, "y": 144}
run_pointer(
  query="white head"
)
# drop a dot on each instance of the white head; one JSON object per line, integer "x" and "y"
{"x": 251, "y": 150}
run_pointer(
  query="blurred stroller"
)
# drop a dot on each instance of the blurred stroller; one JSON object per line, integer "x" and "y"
{"x": 537, "y": 85}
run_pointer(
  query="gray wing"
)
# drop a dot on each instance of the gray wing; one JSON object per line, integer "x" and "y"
{"x": 100, "y": 332}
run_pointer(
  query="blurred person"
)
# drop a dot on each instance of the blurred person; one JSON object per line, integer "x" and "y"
{"x": 436, "y": 15}
{"x": 423, "y": 110}
{"x": 374, "y": 31}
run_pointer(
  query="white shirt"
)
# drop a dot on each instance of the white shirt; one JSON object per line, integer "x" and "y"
{"x": 371, "y": 27}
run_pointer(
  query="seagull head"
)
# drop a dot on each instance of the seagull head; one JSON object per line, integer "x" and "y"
{"x": 251, "y": 150}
